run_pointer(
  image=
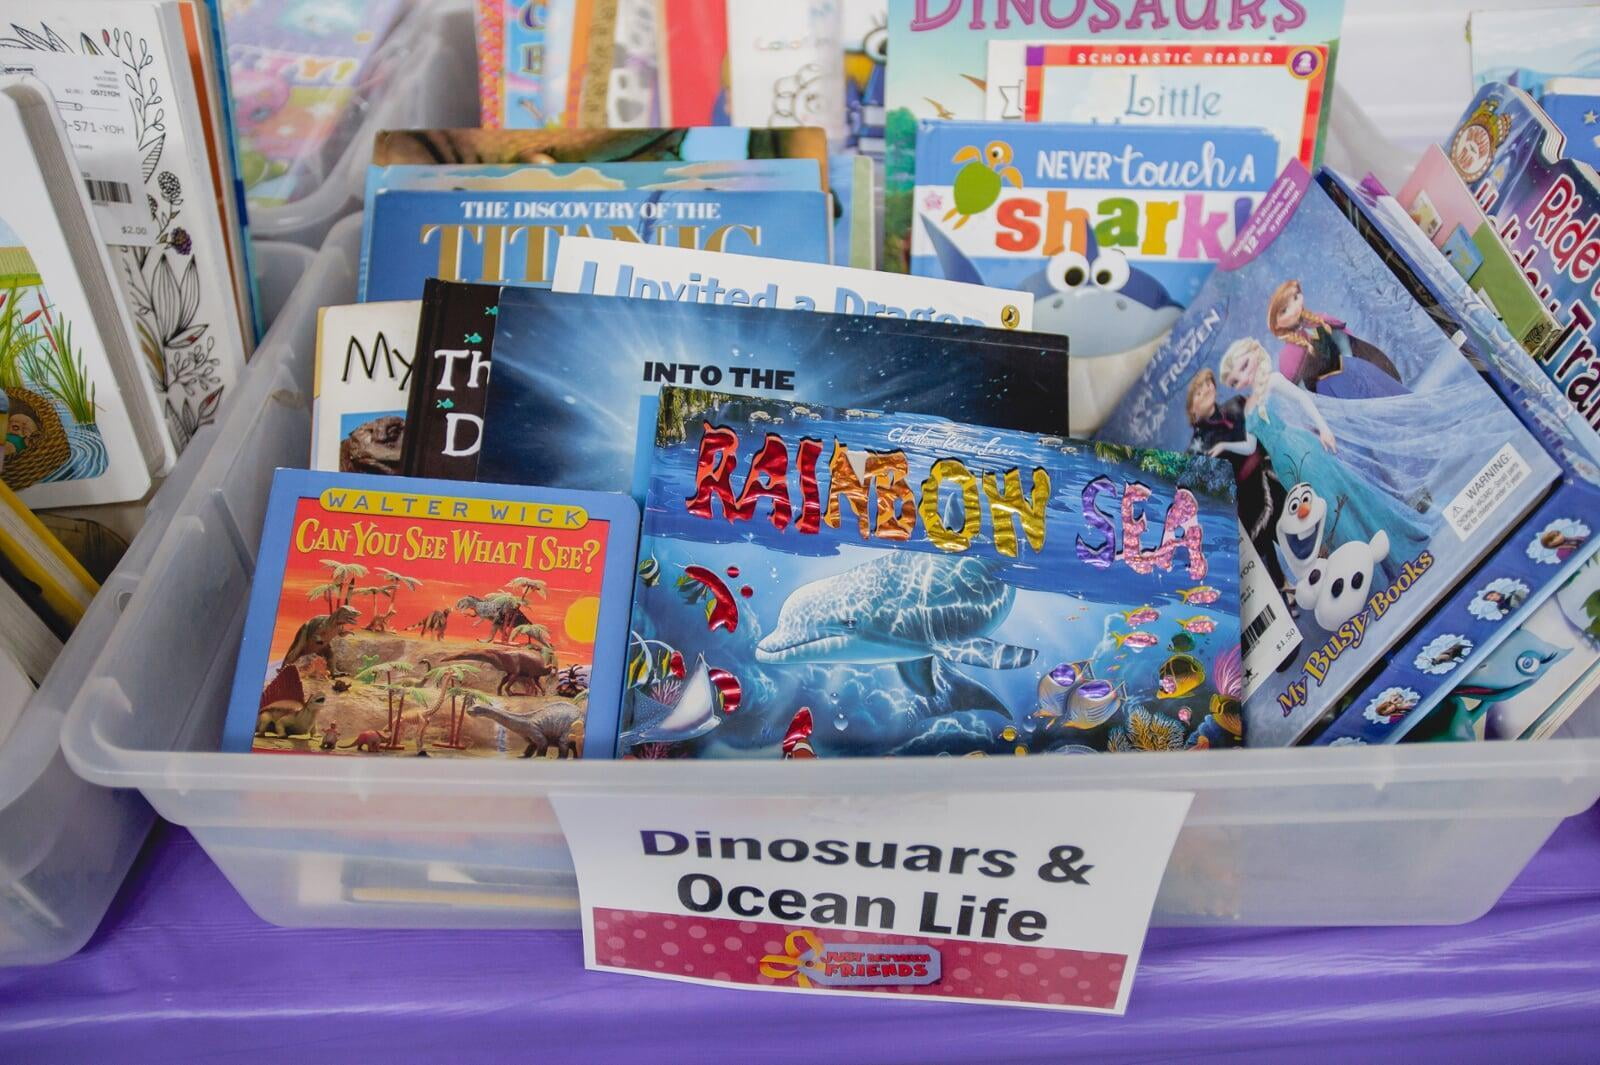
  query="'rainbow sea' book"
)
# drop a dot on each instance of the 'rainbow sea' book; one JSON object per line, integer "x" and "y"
{"x": 817, "y": 583}
{"x": 396, "y": 616}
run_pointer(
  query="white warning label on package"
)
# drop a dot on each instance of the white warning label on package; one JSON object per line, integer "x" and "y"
{"x": 1269, "y": 637}
{"x": 1483, "y": 494}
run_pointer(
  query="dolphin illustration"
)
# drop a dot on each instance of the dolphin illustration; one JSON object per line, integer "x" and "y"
{"x": 909, "y": 609}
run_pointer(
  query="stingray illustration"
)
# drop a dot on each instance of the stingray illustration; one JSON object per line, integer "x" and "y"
{"x": 1114, "y": 314}
{"x": 916, "y": 611}
{"x": 692, "y": 714}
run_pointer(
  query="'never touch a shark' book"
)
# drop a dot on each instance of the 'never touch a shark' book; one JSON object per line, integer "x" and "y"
{"x": 572, "y": 373}
{"x": 393, "y": 616}
{"x": 822, "y": 582}
{"x": 1375, "y": 467}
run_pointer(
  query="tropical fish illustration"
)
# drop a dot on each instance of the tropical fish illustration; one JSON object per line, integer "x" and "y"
{"x": 1200, "y": 596}
{"x": 797, "y": 744}
{"x": 1136, "y": 640}
{"x": 1181, "y": 642}
{"x": 1180, "y": 675}
{"x": 650, "y": 572}
{"x": 1070, "y": 695}
{"x": 694, "y": 709}
{"x": 700, "y": 585}
{"x": 1141, "y": 616}
{"x": 1199, "y": 624}
{"x": 908, "y": 609}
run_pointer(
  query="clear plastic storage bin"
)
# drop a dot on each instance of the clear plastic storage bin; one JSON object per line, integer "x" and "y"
{"x": 426, "y": 80}
{"x": 66, "y": 844}
{"x": 1390, "y": 835}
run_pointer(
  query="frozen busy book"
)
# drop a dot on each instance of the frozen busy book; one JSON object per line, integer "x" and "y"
{"x": 1492, "y": 640}
{"x": 572, "y": 372}
{"x": 1375, "y": 467}
{"x": 394, "y": 616}
{"x": 818, "y": 582}
{"x": 511, "y": 237}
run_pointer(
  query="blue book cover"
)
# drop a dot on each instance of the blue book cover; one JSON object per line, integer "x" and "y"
{"x": 572, "y": 373}
{"x": 1113, "y": 228}
{"x": 1492, "y": 641}
{"x": 511, "y": 237}
{"x": 395, "y": 616}
{"x": 1577, "y": 115}
{"x": 1375, "y": 467}
{"x": 819, "y": 582}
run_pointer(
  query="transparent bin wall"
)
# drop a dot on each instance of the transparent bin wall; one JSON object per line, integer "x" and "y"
{"x": 1420, "y": 834}
{"x": 431, "y": 61}
{"x": 66, "y": 844}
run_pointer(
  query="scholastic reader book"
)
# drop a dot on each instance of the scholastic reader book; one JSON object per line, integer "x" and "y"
{"x": 1375, "y": 467}
{"x": 1279, "y": 88}
{"x": 681, "y": 275}
{"x": 366, "y": 353}
{"x": 816, "y": 582}
{"x": 171, "y": 255}
{"x": 1547, "y": 210}
{"x": 941, "y": 59}
{"x": 1467, "y": 641}
{"x": 572, "y": 374}
{"x": 82, "y": 420}
{"x": 450, "y": 380}
{"x": 398, "y": 617}
{"x": 512, "y": 237}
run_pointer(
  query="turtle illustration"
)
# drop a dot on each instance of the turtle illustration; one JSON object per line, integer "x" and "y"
{"x": 978, "y": 184}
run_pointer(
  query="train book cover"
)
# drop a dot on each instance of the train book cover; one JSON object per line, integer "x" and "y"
{"x": 402, "y": 617}
{"x": 818, "y": 582}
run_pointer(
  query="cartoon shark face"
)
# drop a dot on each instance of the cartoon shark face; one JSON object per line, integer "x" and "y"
{"x": 1300, "y": 527}
{"x": 1335, "y": 589}
{"x": 1101, "y": 301}
{"x": 1105, "y": 304}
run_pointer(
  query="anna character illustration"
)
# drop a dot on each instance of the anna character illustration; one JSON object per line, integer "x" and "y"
{"x": 1351, "y": 472}
{"x": 1321, "y": 356}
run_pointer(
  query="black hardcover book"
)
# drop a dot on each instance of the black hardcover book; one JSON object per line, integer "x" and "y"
{"x": 450, "y": 381}
{"x": 577, "y": 375}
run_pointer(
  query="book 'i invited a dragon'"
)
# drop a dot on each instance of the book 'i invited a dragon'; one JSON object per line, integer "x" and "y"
{"x": 396, "y": 616}
{"x": 817, "y": 582}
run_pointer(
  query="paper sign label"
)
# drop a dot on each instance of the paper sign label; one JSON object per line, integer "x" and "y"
{"x": 951, "y": 898}
{"x": 1482, "y": 496}
{"x": 90, "y": 97}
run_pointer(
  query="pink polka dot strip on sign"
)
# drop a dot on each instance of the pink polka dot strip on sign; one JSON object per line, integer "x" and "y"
{"x": 802, "y": 957}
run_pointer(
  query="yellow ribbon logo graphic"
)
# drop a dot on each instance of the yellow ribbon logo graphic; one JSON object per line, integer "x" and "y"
{"x": 802, "y": 954}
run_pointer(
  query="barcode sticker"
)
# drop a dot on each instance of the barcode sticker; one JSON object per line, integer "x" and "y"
{"x": 93, "y": 103}
{"x": 1269, "y": 636}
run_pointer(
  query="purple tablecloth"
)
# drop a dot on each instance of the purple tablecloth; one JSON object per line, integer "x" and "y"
{"x": 182, "y": 971}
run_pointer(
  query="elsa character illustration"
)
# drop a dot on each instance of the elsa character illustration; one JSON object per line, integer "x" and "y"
{"x": 1350, "y": 473}
{"x": 1321, "y": 356}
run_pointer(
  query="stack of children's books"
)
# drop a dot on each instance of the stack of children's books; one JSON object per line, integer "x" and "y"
{"x": 1155, "y": 435}
{"x": 127, "y": 311}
